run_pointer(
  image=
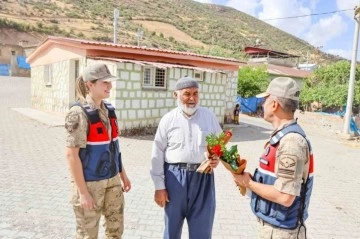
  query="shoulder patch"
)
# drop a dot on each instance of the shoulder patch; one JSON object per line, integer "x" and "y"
{"x": 72, "y": 121}
{"x": 287, "y": 167}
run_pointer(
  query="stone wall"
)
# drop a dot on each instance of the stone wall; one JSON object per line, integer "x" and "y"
{"x": 57, "y": 94}
{"x": 136, "y": 107}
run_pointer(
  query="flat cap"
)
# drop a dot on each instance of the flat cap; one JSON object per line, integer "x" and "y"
{"x": 186, "y": 82}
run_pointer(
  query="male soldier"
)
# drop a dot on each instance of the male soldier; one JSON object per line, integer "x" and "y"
{"x": 282, "y": 184}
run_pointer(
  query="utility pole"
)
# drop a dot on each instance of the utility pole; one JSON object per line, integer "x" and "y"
{"x": 139, "y": 35}
{"x": 307, "y": 60}
{"x": 350, "y": 96}
{"x": 116, "y": 17}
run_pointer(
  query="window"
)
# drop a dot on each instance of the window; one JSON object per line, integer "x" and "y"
{"x": 204, "y": 76}
{"x": 48, "y": 74}
{"x": 160, "y": 78}
{"x": 198, "y": 75}
{"x": 147, "y": 77}
{"x": 154, "y": 77}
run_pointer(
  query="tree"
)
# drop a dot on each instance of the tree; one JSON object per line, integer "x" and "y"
{"x": 252, "y": 81}
{"x": 329, "y": 85}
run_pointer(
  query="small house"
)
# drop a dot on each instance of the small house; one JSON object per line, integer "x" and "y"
{"x": 147, "y": 77}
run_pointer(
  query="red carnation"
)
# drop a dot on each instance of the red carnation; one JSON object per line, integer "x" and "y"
{"x": 216, "y": 149}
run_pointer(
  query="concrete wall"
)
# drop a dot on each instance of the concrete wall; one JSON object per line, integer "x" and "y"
{"x": 136, "y": 107}
{"x": 6, "y": 57}
{"x": 57, "y": 96}
{"x": 5, "y": 52}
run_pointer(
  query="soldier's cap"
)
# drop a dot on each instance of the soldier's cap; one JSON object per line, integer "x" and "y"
{"x": 284, "y": 87}
{"x": 98, "y": 71}
{"x": 186, "y": 82}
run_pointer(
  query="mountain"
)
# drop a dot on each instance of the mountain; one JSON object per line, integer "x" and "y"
{"x": 182, "y": 25}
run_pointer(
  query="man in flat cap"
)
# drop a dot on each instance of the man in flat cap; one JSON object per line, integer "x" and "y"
{"x": 178, "y": 150}
{"x": 281, "y": 185}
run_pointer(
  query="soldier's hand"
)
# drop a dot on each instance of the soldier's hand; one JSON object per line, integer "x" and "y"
{"x": 86, "y": 201}
{"x": 242, "y": 179}
{"x": 161, "y": 197}
{"x": 126, "y": 184}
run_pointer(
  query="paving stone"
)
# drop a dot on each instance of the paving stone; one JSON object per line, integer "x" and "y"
{"x": 35, "y": 183}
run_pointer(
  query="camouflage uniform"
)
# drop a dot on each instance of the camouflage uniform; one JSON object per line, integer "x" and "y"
{"x": 107, "y": 194}
{"x": 291, "y": 166}
{"x": 267, "y": 231}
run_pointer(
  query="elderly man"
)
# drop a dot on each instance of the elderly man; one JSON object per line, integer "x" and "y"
{"x": 281, "y": 185}
{"x": 178, "y": 150}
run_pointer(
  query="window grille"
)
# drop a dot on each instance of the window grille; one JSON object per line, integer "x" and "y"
{"x": 154, "y": 77}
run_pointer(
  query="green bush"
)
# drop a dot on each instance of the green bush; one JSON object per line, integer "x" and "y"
{"x": 72, "y": 15}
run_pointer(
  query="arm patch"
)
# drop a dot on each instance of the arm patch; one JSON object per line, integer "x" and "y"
{"x": 287, "y": 167}
{"x": 72, "y": 121}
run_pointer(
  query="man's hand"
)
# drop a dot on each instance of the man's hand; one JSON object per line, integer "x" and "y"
{"x": 161, "y": 197}
{"x": 86, "y": 201}
{"x": 243, "y": 179}
{"x": 214, "y": 160}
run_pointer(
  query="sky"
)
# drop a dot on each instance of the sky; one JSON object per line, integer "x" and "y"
{"x": 332, "y": 33}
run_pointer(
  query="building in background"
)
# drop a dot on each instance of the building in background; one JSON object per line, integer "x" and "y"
{"x": 147, "y": 77}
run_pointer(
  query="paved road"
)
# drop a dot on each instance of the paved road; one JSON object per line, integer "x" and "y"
{"x": 34, "y": 181}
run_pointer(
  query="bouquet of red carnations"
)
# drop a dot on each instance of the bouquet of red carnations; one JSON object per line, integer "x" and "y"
{"x": 230, "y": 158}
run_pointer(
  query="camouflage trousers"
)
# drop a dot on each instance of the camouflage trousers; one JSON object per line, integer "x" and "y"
{"x": 267, "y": 231}
{"x": 109, "y": 201}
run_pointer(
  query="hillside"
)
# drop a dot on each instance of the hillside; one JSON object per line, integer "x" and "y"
{"x": 189, "y": 26}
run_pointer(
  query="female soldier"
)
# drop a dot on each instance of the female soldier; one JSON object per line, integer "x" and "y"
{"x": 94, "y": 156}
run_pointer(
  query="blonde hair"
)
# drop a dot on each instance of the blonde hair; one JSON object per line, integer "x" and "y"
{"x": 81, "y": 89}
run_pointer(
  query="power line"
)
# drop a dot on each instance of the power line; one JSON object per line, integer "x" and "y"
{"x": 313, "y": 14}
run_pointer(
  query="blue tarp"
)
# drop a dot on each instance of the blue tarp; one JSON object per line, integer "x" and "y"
{"x": 353, "y": 127}
{"x": 248, "y": 105}
{"x": 4, "y": 69}
{"x": 21, "y": 61}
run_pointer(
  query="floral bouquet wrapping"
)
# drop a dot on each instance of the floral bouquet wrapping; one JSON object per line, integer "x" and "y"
{"x": 230, "y": 158}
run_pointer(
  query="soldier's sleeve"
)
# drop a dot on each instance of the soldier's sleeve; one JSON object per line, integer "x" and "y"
{"x": 291, "y": 156}
{"x": 76, "y": 126}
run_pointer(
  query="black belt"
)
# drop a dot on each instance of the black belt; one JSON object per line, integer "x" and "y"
{"x": 187, "y": 166}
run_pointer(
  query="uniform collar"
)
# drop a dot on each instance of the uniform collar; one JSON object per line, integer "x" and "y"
{"x": 92, "y": 104}
{"x": 284, "y": 125}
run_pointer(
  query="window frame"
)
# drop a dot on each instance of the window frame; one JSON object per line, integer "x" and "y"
{"x": 201, "y": 75}
{"x": 151, "y": 83}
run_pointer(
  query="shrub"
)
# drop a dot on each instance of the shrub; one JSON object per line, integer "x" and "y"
{"x": 54, "y": 21}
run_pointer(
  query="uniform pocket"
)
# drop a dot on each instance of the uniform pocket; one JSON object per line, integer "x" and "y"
{"x": 264, "y": 206}
{"x": 103, "y": 167}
